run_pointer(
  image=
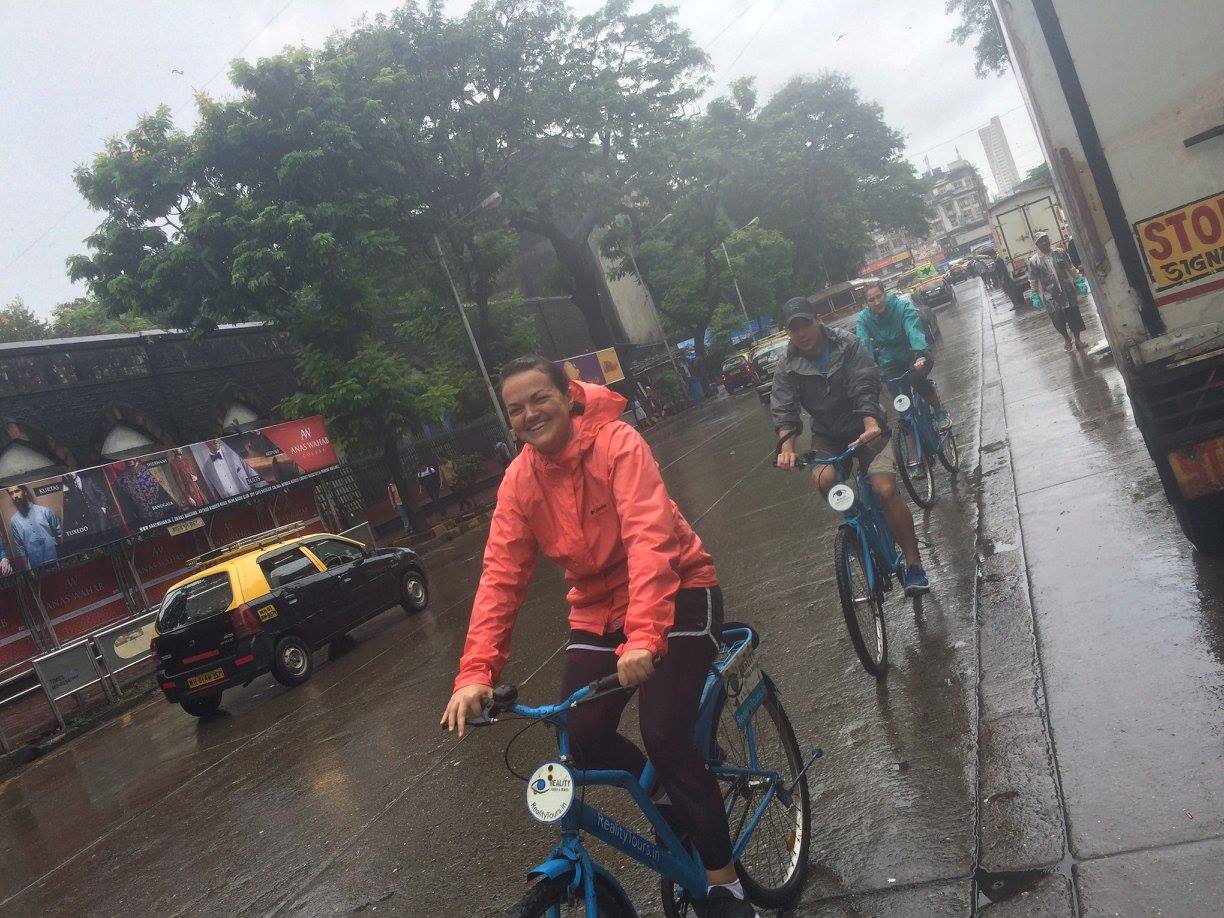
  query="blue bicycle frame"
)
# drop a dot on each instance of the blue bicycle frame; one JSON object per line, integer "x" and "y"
{"x": 882, "y": 557}
{"x": 918, "y": 417}
{"x": 669, "y": 859}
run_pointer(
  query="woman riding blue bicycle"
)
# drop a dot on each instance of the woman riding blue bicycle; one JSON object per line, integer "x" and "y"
{"x": 644, "y": 599}
{"x": 891, "y": 331}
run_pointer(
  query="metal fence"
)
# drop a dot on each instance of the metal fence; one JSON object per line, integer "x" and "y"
{"x": 105, "y": 659}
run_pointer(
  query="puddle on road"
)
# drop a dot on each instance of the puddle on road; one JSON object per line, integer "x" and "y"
{"x": 999, "y": 887}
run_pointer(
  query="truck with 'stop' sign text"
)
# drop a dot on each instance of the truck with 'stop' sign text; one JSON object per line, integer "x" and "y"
{"x": 1128, "y": 104}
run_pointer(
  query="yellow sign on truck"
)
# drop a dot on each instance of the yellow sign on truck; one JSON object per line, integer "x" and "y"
{"x": 1184, "y": 244}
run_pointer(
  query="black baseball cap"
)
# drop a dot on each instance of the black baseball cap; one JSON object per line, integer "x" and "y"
{"x": 797, "y": 307}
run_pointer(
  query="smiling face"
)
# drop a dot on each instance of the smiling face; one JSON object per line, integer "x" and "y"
{"x": 538, "y": 411}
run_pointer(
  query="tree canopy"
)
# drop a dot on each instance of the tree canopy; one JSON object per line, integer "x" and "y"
{"x": 74, "y": 319}
{"x": 324, "y": 196}
{"x": 978, "y": 23}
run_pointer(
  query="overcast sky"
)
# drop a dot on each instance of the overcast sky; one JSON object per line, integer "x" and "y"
{"x": 76, "y": 73}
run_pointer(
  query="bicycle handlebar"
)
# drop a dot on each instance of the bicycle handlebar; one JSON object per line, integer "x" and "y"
{"x": 810, "y": 459}
{"x": 505, "y": 696}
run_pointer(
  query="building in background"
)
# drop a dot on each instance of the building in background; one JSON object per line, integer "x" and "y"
{"x": 959, "y": 201}
{"x": 999, "y": 156}
{"x": 891, "y": 253}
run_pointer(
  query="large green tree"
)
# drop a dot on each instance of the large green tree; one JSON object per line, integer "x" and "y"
{"x": 19, "y": 323}
{"x": 294, "y": 204}
{"x": 624, "y": 82}
{"x": 810, "y": 174}
{"x": 82, "y": 316}
{"x": 827, "y": 169}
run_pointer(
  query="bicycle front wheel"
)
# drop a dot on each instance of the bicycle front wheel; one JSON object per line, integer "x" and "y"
{"x": 544, "y": 894}
{"x": 860, "y": 603}
{"x": 949, "y": 453}
{"x": 915, "y": 473}
{"x": 774, "y": 862}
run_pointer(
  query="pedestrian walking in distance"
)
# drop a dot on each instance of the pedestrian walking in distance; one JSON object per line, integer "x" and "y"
{"x": 431, "y": 484}
{"x": 1053, "y": 277}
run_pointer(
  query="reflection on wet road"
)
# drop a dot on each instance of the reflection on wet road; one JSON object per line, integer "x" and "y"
{"x": 343, "y": 795}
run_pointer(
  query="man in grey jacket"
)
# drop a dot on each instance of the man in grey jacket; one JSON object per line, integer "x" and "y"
{"x": 827, "y": 373}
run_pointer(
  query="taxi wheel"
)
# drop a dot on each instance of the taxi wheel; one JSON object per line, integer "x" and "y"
{"x": 291, "y": 664}
{"x": 414, "y": 594}
{"x": 204, "y": 706}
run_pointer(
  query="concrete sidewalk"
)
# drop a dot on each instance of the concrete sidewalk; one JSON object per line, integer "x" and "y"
{"x": 1129, "y": 622}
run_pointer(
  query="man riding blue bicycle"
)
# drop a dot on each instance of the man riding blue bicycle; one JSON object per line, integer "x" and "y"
{"x": 828, "y": 373}
{"x": 891, "y": 331}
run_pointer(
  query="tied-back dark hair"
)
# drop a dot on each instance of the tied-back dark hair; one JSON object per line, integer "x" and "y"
{"x": 518, "y": 365}
{"x": 871, "y": 285}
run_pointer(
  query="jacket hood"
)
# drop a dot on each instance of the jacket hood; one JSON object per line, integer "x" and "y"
{"x": 600, "y": 406}
{"x": 594, "y": 408}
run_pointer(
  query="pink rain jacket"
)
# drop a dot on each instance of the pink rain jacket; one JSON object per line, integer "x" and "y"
{"x": 600, "y": 510}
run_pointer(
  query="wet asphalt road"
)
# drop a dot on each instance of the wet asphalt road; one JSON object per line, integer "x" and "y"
{"x": 1093, "y": 640}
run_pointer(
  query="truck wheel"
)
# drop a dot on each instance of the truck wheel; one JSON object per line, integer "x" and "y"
{"x": 291, "y": 664}
{"x": 1200, "y": 521}
{"x": 204, "y": 706}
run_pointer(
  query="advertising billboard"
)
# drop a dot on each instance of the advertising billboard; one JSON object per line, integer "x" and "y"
{"x": 53, "y": 518}
{"x": 599, "y": 367}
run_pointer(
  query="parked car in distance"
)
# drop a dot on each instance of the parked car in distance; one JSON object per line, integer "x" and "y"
{"x": 266, "y": 603}
{"x": 765, "y": 357}
{"x": 737, "y": 373}
{"x": 932, "y": 292}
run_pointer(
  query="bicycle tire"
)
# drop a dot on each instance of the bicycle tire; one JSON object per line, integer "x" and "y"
{"x": 544, "y": 893}
{"x": 949, "y": 445}
{"x": 900, "y": 452}
{"x": 758, "y": 892}
{"x": 847, "y": 551}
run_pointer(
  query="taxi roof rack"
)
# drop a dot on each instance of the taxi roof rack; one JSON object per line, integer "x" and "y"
{"x": 259, "y": 540}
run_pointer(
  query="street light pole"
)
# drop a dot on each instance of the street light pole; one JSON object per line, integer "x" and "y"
{"x": 491, "y": 201}
{"x": 739, "y": 296}
{"x": 735, "y": 283}
{"x": 654, "y": 309}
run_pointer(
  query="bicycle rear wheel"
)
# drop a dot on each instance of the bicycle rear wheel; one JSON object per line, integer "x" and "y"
{"x": 775, "y": 861}
{"x": 949, "y": 453}
{"x": 860, "y": 603}
{"x": 543, "y": 893}
{"x": 915, "y": 473}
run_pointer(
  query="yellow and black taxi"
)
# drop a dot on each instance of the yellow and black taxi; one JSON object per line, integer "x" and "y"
{"x": 266, "y": 603}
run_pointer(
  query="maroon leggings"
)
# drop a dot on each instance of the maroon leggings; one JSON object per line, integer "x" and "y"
{"x": 668, "y": 715}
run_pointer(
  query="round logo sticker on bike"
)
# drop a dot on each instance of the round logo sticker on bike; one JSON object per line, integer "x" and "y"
{"x": 902, "y": 402}
{"x": 841, "y": 497}
{"x": 550, "y": 792}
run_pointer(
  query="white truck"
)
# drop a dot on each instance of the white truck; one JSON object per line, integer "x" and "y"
{"x": 1128, "y": 100}
{"x": 1016, "y": 220}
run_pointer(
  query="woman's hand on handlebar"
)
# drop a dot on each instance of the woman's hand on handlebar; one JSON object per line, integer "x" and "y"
{"x": 634, "y": 667}
{"x": 465, "y": 703}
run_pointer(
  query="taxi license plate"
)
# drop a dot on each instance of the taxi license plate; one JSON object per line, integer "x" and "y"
{"x": 1199, "y": 469}
{"x": 208, "y": 678}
